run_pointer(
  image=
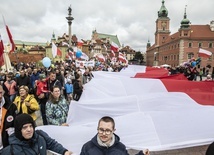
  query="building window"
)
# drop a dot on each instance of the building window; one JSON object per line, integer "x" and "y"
{"x": 190, "y": 45}
{"x": 190, "y": 55}
{"x": 210, "y": 45}
{"x": 199, "y": 45}
{"x": 174, "y": 57}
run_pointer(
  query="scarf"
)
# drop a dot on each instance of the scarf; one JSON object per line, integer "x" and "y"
{"x": 105, "y": 144}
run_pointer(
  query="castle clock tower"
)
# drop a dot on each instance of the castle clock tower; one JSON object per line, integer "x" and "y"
{"x": 162, "y": 25}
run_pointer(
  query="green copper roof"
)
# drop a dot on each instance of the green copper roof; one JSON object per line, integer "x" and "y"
{"x": 163, "y": 12}
{"x": 113, "y": 38}
{"x": 19, "y": 42}
{"x": 185, "y": 22}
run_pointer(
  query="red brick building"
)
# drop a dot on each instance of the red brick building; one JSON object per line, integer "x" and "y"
{"x": 174, "y": 49}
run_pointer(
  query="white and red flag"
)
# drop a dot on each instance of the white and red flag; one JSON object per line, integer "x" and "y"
{"x": 1, "y": 52}
{"x": 100, "y": 57}
{"x": 122, "y": 57}
{"x": 112, "y": 53}
{"x": 173, "y": 114}
{"x": 114, "y": 47}
{"x": 204, "y": 53}
{"x": 12, "y": 44}
{"x": 55, "y": 50}
{"x": 84, "y": 56}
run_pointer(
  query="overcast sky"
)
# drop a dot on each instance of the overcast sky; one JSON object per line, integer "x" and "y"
{"x": 133, "y": 21}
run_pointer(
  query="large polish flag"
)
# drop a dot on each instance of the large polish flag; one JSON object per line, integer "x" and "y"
{"x": 154, "y": 113}
{"x": 204, "y": 53}
{"x": 56, "y": 51}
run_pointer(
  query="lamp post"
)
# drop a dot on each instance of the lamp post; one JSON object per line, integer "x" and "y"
{"x": 69, "y": 18}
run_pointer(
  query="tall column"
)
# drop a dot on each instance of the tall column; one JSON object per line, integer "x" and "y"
{"x": 69, "y": 18}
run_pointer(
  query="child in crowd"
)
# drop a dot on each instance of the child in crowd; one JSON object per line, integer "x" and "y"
{"x": 41, "y": 85}
{"x": 69, "y": 90}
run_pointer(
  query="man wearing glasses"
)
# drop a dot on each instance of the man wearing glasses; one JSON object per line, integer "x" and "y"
{"x": 7, "y": 116}
{"x": 106, "y": 141}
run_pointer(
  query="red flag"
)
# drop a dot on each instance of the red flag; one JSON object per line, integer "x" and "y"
{"x": 1, "y": 52}
{"x": 59, "y": 52}
{"x": 114, "y": 47}
{"x": 12, "y": 45}
{"x": 79, "y": 43}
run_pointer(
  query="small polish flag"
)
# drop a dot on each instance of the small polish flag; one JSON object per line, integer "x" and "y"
{"x": 204, "y": 53}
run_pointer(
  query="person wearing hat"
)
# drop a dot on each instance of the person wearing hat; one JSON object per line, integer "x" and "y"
{"x": 26, "y": 103}
{"x": 7, "y": 115}
{"x": 28, "y": 141}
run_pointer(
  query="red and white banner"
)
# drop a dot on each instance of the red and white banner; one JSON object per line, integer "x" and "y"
{"x": 55, "y": 50}
{"x": 158, "y": 118}
{"x": 114, "y": 47}
{"x": 204, "y": 53}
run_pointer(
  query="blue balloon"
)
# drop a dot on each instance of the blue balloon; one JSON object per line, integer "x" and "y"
{"x": 78, "y": 53}
{"x": 193, "y": 64}
{"x": 46, "y": 62}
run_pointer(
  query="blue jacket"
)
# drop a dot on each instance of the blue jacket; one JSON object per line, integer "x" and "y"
{"x": 39, "y": 144}
{"x": 93, "y": 148}
{"x": 69, "y": 88}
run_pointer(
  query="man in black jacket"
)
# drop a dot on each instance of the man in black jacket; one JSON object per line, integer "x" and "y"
{"x": 8, "y": 112}
{"x": 106, "y": 141}
{"x": 23, "y": 80}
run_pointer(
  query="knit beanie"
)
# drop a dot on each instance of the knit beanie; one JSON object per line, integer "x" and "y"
{"x": 21, "y": 120}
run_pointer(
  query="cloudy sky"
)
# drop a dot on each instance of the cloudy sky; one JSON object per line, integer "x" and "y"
{"x": 133, "y": 21}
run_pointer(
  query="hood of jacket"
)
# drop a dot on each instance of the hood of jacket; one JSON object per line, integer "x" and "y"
{"x": 94, "y": 140}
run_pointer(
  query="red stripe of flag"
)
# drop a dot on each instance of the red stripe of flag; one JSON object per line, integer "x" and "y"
{"x": 12, "y": 44}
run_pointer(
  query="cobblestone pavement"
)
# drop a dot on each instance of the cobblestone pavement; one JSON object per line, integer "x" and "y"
{"x": 199, "y": 150}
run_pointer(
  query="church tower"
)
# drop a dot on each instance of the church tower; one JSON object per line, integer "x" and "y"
{"x": 162, "y": 25}
{"x": 185, "y": 26}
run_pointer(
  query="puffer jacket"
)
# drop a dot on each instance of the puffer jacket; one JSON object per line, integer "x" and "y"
{"x": 93, "y": 148}
{"x": 25, "y": 109}
{"x": 39, "y": 144}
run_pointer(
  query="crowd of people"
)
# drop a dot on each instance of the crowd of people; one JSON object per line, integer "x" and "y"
{"x": 192, "y": 70}
{"x": 29, "y": 88}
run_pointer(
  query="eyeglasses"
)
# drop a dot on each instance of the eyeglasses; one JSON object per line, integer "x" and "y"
{"x": 107, "y": 131}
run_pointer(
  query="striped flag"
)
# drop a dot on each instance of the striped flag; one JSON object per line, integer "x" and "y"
{"x": 56, "y": 51}
{"x": 204, "y": 53}
{"x": 12, "y": 44}
{"x": 114, "y": 47}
